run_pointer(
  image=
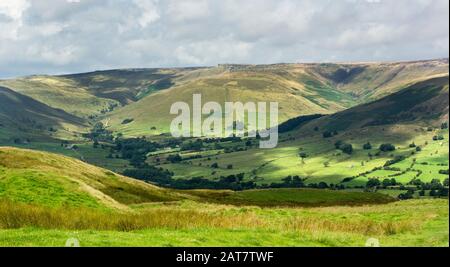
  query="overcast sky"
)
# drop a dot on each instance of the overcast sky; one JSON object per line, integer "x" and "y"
{"x": 66, "y": 36}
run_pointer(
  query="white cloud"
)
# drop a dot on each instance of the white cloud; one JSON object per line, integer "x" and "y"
{"x": 149, "y": 11}
{"x": 58, "y": 56}
{"x": 56, "y": 36}
{"x": 188, "y": 10}
{"x": 13, "y": 9}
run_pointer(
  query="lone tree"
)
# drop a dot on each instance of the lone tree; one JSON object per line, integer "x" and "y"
{"x": 303, "y": 156}
{"x": 367, "y": 146}
{"x": 347, "y": 148}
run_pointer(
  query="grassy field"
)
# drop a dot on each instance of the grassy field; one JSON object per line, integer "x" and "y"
{"x": 267, "y": 166}
{"x": 406, "y": 223}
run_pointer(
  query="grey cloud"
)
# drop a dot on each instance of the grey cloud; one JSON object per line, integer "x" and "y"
{"x": 63, "y": 36}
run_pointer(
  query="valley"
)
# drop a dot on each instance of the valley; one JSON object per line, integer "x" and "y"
{"x": 363, "y": 152}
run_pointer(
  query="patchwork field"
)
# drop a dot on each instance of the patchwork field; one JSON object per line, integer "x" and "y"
{"x": 267, "y": 166}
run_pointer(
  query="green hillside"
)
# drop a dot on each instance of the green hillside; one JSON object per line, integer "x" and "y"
{"x": 93, "y": 93}
{"x": 425, "y": 101}
{"x": 52, "y": 180}
{"x": 370, "y": 81}
{"x": 60, "y": 93}
{"x": 300, "y": 89}
{"x": 154, "y": 110}
{"x": 144, "y": 96}
{"x": 22, "y": 116}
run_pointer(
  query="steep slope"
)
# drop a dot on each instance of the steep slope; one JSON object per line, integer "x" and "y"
{"x": 52, "y": 180}
{"x": 61, "y": 93}
{"x": 128, "y": 85}
{"x": 93, "y": 93}
{"x": 23, "y": 114}
{"x": 370, "y": 81}
{"x": 154, "y": 110}
{"x": 144, "y": 96}
{"x": 425, "y": 102}
{"x": 300, "y": 89}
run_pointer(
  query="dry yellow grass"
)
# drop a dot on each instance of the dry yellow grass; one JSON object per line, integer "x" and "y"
{"x": 14, "y": 215}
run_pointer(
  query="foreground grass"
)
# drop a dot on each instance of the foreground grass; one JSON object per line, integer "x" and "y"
{"x": 406, "y": 223}
{"x": 169, "y": 238}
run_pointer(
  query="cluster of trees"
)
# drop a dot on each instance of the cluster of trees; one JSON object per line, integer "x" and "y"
{"x": 233, "y": 138}
{"x": 435, "y": 184}
{"x": 149, "y": 173}
{"x": 396, "y": 159}
{"x": 196, "y": 145}
{"x": 408, "y": 195}
{"x": 135, "y": 150}
{"x": 376, "y": 183}
{"x": 234, "y": 149}
{"x": 387, "y": 147}
{"x": 293, "y": 181}
{"x": 164, "y": 177}
{"x": 174, "y": 158}
{"x": 344, "y": 147}
{"x": 298, "y": 182}
{"x": 436, "y": 188}
{"x": 232, "y": 182}
{"x": 99, "y": 133}
{"x": 110, "y": 108}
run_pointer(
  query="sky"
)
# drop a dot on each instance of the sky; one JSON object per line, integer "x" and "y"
{"x": 70, "y": 36}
